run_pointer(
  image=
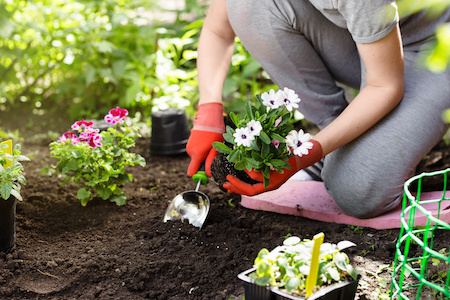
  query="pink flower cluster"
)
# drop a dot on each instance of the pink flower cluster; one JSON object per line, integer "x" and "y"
{"x": 90, "y": 135}
{"x": 116, "y": 115}
{"x": 87, "y": 134}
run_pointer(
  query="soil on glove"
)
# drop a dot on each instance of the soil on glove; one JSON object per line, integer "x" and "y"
{"x": 103, "y": 251}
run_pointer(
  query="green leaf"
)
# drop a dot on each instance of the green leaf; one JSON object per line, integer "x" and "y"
{"x": 130, "y": 94}
{"x": 234, "y": 156}
{"x": 84, "y": 196}
{"x": 234, "y": 118}
{"x": 6, "y": 26}
{"x": 265, "y": 151}
{"x": 119, "y": 68}
{"x": 277, "y": 162}
{"x": 352, "y": 271}
{"x": 266, "y": 182}
{"x": 292, "y": 283}
{"x": 249, "y": 110}
{"x": 251, "y": 163}
{"x": 341, "y": 260}
{"x": 104, "y": 193}
{"x": 277, "y": 137}
{"x": 104, "y": 46}
{"x": 221, "y": 147}
{"x": 262, "y": 281}
{"x": 334, "y": 273}
{"x": 77, "y": 153}
{"x": 263, "y": 268}
{"x": 5, "y": 189}
{"x": 261, "y": 255}
{"x": 72, "y": 165}
{"x": 89, "y": 74}
{"x": 257, "y": 156}
{"x": 228, "y": 135}
{"x": 119, "y": 199}
{"x": 265, "y": 138}
{"x": 16, "y": 194}
{"x": 344, "y": 245}
{"x": 240, "y": 165}
{"x": 21, "y": 158}
{"x": 254, "y": 146}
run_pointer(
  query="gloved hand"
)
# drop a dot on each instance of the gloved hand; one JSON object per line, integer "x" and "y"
{"x": 208, "y": 127}
{"x": 297, "y": 163}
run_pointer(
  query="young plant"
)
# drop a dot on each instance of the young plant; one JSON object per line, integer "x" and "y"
{"x": 288, "y": 266}
{"x": 97, "y": 160}
{"x": 263, "y": 138}
{"x": 11, "y": 172}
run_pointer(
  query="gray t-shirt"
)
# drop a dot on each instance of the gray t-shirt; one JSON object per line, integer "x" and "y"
{"x": 366, "y": 20}
{"x": 371, "y": 20}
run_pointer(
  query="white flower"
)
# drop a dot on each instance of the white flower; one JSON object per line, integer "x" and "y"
{"x": 243, "y": 136}
{"x": 289, "y": 98}
{"x": 271, "y": 99}
{"x": 298, "y": 142}
{"x": 254, "y": 127}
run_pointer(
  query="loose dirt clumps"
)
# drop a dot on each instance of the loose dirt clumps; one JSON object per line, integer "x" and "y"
{"x": 103, "y": 251}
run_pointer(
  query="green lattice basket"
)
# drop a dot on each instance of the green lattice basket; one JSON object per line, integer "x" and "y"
{"x": 426, "y": 274}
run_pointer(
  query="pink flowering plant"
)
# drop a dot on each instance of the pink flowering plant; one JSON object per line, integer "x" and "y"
{"x": 96, "y": 160}
{"x": 263, "y": 139}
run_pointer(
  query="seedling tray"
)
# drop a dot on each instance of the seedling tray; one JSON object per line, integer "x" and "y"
{"x": 342, "y": 290}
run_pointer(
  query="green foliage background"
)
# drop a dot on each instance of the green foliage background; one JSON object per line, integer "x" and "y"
{"x": 83, "y": 57}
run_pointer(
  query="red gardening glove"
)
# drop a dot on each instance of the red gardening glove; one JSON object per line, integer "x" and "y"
{"x": 208, "y": 128}
{"x": 236, "y": 186}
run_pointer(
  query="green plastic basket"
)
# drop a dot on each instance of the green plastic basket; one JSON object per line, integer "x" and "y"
{"x": 428, "y": 273}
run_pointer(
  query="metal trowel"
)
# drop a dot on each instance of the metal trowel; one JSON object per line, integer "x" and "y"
{"x": 190, "y": 205}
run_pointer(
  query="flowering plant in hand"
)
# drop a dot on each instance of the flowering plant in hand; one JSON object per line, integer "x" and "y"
{"x": 96, "y": 160}
{"x": 263, "y": 139}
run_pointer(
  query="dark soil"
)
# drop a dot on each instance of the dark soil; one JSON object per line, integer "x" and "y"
{"x": 221, "y": 168}
{"x": 103, "y": 251}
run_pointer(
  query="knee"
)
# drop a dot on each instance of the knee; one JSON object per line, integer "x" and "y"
{"x": 363, "y": 196}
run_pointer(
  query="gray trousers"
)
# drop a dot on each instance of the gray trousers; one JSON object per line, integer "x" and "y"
{"x": 302, "y": 50}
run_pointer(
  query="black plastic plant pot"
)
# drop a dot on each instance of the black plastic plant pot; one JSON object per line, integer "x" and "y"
{"x": 7, "y": 224}
{"x": 170, "y": 132}
{"x": 343, "y": 290}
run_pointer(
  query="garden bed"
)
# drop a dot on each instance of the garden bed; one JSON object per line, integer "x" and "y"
{"x": 103, "y": 251}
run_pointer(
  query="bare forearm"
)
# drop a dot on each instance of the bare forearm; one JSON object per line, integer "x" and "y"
{"x": 215, "y": 50}
{"x": 384, "y": 90}
{"x": 214, "y": 57}
{"x": 369, "y": 107}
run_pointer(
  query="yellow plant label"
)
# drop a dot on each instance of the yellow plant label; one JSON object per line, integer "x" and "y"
{"x": 311, "y": 280}
{"x": 7, "y": 150}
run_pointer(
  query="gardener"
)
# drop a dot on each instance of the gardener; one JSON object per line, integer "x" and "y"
{"x": 372, "y": 144}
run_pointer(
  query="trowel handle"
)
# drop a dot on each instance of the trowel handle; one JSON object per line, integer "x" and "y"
{"x": 201, "y": 175}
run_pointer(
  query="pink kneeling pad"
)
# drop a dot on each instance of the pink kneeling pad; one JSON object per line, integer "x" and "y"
{"x": 309, "y": 199}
